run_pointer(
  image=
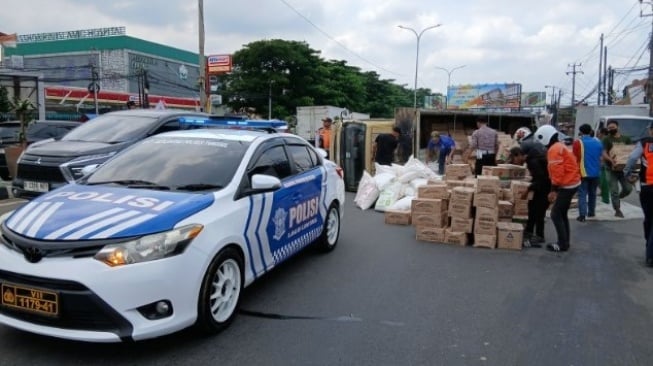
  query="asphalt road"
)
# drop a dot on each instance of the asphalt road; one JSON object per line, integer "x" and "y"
{"x": 382, "y": 298}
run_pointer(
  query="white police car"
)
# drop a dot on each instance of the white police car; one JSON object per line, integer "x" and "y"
{"x": 166, "y": 234}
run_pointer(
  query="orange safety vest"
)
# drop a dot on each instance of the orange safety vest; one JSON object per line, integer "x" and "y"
{"x": 325, "y": 138}
{"x": 646, "y": 174}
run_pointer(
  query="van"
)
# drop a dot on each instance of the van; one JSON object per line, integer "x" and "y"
{"x": 635, "y": 127}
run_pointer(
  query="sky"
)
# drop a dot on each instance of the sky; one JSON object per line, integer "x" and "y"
{"x": 501, "y": 41}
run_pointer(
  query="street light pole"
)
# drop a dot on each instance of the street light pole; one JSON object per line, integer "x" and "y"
{"x": 419, "y": 36}
{"x": 449, "y": 72}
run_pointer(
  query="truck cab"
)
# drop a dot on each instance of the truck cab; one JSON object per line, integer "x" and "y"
{"x": 635, "y": 127}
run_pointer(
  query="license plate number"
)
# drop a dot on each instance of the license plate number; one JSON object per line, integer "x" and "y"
{"x": 30, "y": 299}
{"x": 36, "y": 186}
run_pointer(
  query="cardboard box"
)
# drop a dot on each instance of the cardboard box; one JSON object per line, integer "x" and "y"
{"x": 486, "y": 200}
{"x": 511, "y": 171}
{"x": 485, "y": 241}
{"x": 574, "y": 203}
{"x": 520, "y": 208}
{"x": 462, "y": 194}
{"x": 510, "y": 235}
{"x": 428, "y": 206}
{"x": 455, "y": 183}
{"x": 453, "y": 237}
{"x": 460, "y": 209}
{"x": 507, "y": 195}
{"x": 505, "y": 219}
{"x": 487, "y": 213}
{"x": 619, "y": 154}
{"x": 462, "y": 225}
{"x": 433, "y": 191}
{"x": 397, "y": 217}
{"x": 438, "y": 220}
{"x": 457, "y": 171}
{"x": 487, "y": 184}
{"x": 485, "y": 227}
{"x": 505, "y": 209}
{"x": 518, "y": 188}
{"x": 430, "y": 234}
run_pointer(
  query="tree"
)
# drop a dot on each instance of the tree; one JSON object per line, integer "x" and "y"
{"x": 23, "y": 109}
{"x": 290, "y": 74}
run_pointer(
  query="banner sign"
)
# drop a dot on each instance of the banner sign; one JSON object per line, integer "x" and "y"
{"x": 484, "y": 96}
{"x": 436, "y": 101}
{"x": 77, "y": 34}
{"x": 218, "y": 64}
{"x": 533, "y": 99}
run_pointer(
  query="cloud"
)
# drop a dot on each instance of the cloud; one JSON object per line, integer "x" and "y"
{"x": 504, "y": 40}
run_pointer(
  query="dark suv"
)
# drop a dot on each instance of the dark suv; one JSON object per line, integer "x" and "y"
{"x": 48, "y": 164}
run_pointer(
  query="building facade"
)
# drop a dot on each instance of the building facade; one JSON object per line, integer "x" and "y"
{"x": 78, "y": 64}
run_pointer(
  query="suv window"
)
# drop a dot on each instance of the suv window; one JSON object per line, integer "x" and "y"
{"x": 167, "y": 127}
{"x": 112, "y": 128}
{"x": 301, "y": 158}
{"x": 274, "y": 162}
{"x": 9, "y": 131}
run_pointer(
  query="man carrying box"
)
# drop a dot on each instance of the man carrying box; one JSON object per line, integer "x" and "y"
{"x": 615, "y": 176}
{"x": 588, "y": 151}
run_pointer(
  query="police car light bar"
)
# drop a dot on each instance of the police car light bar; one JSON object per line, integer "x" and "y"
{"x": 267, "y": 125}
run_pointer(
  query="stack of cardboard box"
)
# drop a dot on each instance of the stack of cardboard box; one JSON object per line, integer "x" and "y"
{"x": 520, "y": 196}
{"x": 429, "y": 212}
{"x": 460, "y": 212}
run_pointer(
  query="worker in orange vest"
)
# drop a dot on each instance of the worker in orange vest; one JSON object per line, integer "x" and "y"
{"x": 324, "y": 134}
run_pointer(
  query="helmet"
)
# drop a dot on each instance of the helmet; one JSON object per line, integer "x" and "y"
{"x": 521, "y": 133}
{"x": 544, "y": 134}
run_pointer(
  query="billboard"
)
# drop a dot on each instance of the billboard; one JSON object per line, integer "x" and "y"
{"x": 484, "y": 96}
{"x": 66, "y": 70}
{"x": 165, "y": 77}
{"x": 218, "y": 64}
{"x": 436, "y": 101}
{"x": 533, "y": 99}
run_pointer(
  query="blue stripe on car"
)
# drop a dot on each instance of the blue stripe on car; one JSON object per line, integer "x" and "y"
{"x": 258, "y": 236}
{"x": 249, "y": 245}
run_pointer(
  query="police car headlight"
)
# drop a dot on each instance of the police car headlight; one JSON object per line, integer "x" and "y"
{"x": 150, "y": 247}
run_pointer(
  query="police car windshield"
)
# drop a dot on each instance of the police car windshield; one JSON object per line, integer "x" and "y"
{"x": 111, "y": 129}
{"x": 190, "y": 164}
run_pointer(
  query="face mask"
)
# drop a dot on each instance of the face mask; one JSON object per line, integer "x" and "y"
{"x": 612, "y": 132}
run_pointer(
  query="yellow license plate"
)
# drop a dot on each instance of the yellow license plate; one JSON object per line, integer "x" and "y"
{"x": 30, "y": 299}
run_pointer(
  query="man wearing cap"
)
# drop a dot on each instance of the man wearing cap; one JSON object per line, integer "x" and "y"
{"x": 485, "y": 141}
{"x": 588, "y": 151}
{"x": 324, "y": 134}
{"x": 443, "y": 144}
{"x": 644, "y": 151}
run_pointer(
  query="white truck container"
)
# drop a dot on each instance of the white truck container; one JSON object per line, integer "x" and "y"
{"x": 309, "y": 118}
{"x": 592, "y": 114}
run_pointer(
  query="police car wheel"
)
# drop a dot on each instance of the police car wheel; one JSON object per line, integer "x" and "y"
{"x": 220, "y": 293}
{"x": 331, "y": 231}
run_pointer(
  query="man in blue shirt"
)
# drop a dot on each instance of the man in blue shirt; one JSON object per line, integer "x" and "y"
{"x": 445, "y": 145}
{"x": 588, "y": 151}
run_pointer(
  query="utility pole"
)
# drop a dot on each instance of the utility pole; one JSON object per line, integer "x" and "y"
{"x": 598, "y": 95}
{"x": 610, "y": 85}
{"x": 573, "y": 82}
{"x": 649, "y": 83}
{"x": 95, "y": 85}
{"x": 605, "y": 72}
{"x": 202, "y": 81}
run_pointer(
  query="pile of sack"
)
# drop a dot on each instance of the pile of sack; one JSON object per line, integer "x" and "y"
{"x": 393, "y": 187}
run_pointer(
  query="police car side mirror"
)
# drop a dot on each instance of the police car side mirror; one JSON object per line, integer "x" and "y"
{"x": 263, "y": 182}
{"x": 323, "y": 153}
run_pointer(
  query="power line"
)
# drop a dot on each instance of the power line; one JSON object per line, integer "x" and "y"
{"x": 336, "y": 41}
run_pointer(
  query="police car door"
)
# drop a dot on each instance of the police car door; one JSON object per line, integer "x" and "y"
{"x": 301, "y": 218}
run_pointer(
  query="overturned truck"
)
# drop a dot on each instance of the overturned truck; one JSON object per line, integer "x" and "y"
{"x": 417, "y": 126}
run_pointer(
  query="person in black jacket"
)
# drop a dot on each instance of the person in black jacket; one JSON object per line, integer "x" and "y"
{"x": 534, "y": 155}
